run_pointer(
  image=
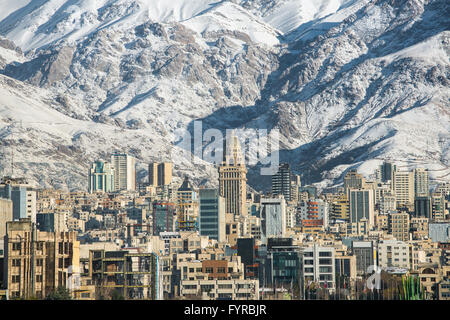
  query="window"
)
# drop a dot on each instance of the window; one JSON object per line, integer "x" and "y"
{"x": 325, "y": 261}
{"x": 325, "y": 254}
{"x": 39, "y": 278}
{"x": 221, "y": 270}
{"x": 325, "y": 269}
{"x": 16, "y": 262}
{"x": 15, "y": 279}
{"x": 16, "y": 246}
{"x": 85, "y": 295}
{"x": 208, "y": 270}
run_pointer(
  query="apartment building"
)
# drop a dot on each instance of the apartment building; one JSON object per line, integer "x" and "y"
{"x": 393, "y": 253}
{"x": 319, "y": 266}
{"x": 37, "y": 263}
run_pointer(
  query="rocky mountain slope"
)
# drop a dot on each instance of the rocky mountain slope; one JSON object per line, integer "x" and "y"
{"x": 346, "y": 82}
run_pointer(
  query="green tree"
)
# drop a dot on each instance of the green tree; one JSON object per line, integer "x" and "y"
{"x": 61, "y": 293}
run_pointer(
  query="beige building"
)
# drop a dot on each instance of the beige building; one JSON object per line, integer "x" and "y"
{"x": 6, "y": 214}
{"x": 234, "y": 289}
{"x": 160, "y": 174}
{"x": 403, "y": 186}
{"x": 37, "y": 263}
{"x": 354, "y": 180}
{"x": 233, "y": 179}
{"x": 399, "y": 225}
{"x": 419, "y": 228}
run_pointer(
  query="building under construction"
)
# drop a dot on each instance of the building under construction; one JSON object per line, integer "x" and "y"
{"x": 127, "y": 274}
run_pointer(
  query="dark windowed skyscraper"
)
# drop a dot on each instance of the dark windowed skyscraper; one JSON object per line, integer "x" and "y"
{"x": 281, "y": 182}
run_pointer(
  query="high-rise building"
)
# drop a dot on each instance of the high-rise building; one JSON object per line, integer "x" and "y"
{"x": 399, "y": 225}
{"x": 361, "y": 205}
{"x": 273, "y": 218}
{"x": 422, "y": 207}
{"x": 319, "y": 266}
{"x": 387, "y": 170}
{"x": 387, "y": 203}
{"x": 439, "y": 232}
{"x": 187, "y": 206}
{"x": 165, "y": 173}
{"x": 283, "y": 263}
{"x": 340, "y": 208}
{"x": 37, "y": 263}
{"x": 281, "y": 181}
{"x": 437, "y": 206}
{"x": 164, "y": 217}
{"x": 313, "y": 210}
{"x": 101, "y": 177}
{"x": 421, "y": 182}
{"x": 444, "y": 189}
{"x": 153, "y": 174}
{"x": 212, "y": 214}
{"x": 393, "y": 253}
{"x": 160, "y": 174}
{"x": 6, "y": 215}
{"x": 233, "y": 179}
{"x": 403, "y": 186}
{"x": 354, "y": 180}
{"x": 132, "y": 273}
{"x": 365, "y": 256}
{"x": 125, "y": 171}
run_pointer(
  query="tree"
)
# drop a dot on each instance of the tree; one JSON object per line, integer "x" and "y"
{"x": 61, "y": 293}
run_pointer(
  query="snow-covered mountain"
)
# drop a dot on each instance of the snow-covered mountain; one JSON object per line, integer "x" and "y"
{"x": 347, "y": 82}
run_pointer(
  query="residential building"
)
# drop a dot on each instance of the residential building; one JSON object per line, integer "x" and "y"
{"x": 37, "y": 263}
{"x": 393, "y": 253}
{"x": 319, "y": 266}
{"x": 403, "y": 186}
{"x": 399, "y": 225}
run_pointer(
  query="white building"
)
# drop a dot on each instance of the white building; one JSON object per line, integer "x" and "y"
{"x": 319, "y": 266}
{"x": 125, "y": 171}
{"x": 273, "y": 218}
{"x": 393, "y": 253}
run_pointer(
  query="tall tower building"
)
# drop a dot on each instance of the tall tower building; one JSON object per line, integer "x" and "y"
{"x": 404, "y": 187}
{"x": 233, "y": 179}
{"x": 387, "y": 171}
{"x": 212, "y": 215}
{"x": 165, "y": 173}
{"x": 361, "y": 205}
{"x": 399, "y": 225}
{"x": 273, "y": 218}
{"x": 160, "y": 174}
{"x": 421, "y": 182}
{"x": 125, "y": 171}
{"x": 354, "y": 180}
{"x": 281, "y": 182}
{"x": 153, "y": 174}
{"x": 101, "y": 177}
